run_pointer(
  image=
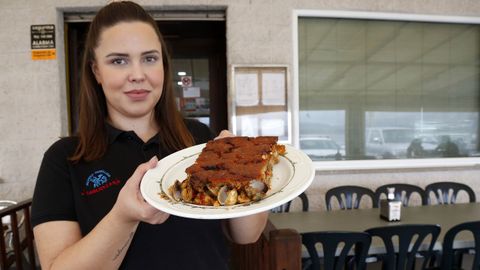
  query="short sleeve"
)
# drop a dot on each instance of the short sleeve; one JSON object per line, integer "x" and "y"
{"x": 53, "y": 196}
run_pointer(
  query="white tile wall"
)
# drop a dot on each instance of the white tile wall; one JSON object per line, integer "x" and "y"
{"x": 32, "y": 93}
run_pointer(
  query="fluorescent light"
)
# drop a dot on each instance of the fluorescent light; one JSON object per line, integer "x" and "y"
{"x": 179, "y": 83}
{"x": 182, "y": 73}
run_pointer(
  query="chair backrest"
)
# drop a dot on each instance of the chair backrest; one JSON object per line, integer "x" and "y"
{"x": 349, "y": 197}
{"x": 303, "y": 198}
{"x": 358, "y": 242}
{"x": 403, "y": 192}
{"x": 16, "y": 235}
{"x": 410, "y": 237}
{"x": 446, "y": 192}
{"x": 286, "y": 207}
{"x": 448, "y": 251}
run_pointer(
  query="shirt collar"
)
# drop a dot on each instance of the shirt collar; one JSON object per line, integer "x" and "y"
{"x": 114, "y": 133}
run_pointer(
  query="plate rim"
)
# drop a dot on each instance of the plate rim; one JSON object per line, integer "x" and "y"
{"x": 297, "y": 159}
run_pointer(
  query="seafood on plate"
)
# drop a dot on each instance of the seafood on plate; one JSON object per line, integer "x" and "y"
{"x": 229, "y": 171}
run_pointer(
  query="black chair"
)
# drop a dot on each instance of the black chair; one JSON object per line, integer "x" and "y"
{"x": 346, "y": 242}
{"x": 408, "y": 235}
{"x": 403, "y": 192}
{"x": 349, "y": 197}
{"x": 452, "y": 258}
{"x": 446, "y": 192}
{"x": 286, "y": 207}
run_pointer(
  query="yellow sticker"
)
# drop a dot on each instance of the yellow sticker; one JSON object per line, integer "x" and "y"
{"x": 49, "y": 54}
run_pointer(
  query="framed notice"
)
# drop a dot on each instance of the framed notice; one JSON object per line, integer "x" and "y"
{"x": 259, "y": 101}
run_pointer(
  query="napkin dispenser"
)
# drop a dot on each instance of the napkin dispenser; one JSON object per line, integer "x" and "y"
{"x": 390, "y": 209}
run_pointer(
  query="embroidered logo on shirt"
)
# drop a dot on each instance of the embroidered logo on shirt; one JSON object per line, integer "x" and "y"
{"x": 98, "y": 181}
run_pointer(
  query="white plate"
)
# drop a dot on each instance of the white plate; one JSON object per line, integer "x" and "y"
{"x": 291, "y": 176}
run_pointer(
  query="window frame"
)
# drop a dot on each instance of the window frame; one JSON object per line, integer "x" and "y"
{"x": 370, "y": 164}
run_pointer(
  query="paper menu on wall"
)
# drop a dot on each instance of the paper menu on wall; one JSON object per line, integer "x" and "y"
{"x": 273, "y": 88}
{"x": 246, "y": 89}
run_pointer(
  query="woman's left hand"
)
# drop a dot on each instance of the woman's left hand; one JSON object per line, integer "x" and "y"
{"x": 247, "y": 229}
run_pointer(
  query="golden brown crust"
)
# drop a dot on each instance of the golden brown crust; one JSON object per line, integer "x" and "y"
{"x": 232, "y": 162}
{"x": 240, "y": 158}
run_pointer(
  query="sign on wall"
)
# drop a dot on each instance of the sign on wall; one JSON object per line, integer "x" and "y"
{"x": 43, "y": 42}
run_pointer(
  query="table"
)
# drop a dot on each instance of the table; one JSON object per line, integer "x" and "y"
{"x": 280, "y": 247}
{"x": 446, "y": 216}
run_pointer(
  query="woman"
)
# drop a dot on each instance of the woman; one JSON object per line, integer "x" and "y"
{"x": 87, "y": 209}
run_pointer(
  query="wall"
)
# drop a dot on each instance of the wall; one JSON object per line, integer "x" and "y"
{"x": 325, "y": 180}
{"x": 33, "y": 110}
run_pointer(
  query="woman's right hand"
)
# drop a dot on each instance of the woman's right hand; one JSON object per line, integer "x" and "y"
{"x": 131, "y": 206}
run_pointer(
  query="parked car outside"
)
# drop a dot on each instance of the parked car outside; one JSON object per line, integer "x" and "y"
{"x": 388, "y": 142}
{"x": 321, "y": 148}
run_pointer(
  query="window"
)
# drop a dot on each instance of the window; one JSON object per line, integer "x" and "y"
{"x": 388, "y": 89}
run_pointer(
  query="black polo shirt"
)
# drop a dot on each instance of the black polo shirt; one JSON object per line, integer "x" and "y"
{"x": 85, "y": 192}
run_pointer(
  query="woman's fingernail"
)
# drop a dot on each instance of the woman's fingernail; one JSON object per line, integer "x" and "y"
{"x": 154, "y": 159}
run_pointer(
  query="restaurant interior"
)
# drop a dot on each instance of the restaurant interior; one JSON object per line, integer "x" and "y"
{"x": 378, "y": 102}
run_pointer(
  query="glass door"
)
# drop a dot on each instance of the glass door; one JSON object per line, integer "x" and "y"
{"x": 198, "y": 52}
{"x": 192, "y": 88}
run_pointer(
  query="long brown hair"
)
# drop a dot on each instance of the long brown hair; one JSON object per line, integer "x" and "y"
{"x": 92, "y": 134}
